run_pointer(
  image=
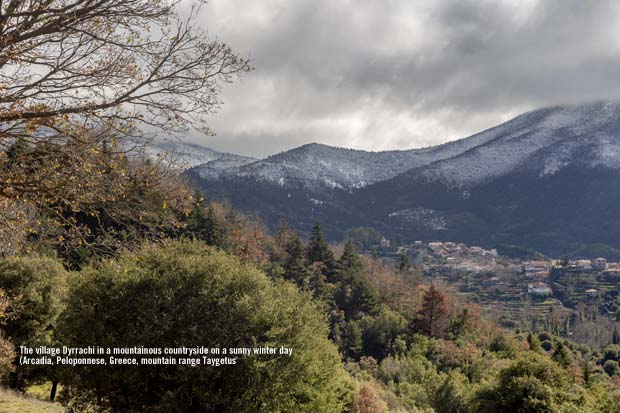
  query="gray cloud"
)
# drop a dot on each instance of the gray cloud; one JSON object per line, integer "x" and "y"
{"x": 398, "y": 74}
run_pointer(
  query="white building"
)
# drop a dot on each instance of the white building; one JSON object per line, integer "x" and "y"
{"x": 539, "y": 289}
{"x": 535, "y": 266}
{"x": 599, "y": 263}
{"x": 583, "y": 265}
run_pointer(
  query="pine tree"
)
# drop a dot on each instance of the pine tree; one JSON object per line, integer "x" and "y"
{"x": 363, "y": 298}
{"x": 349, "y": 261}
{"x": 354, "y": 295}
{"x": 353, "y": 342}
{"x": 294, "y": 267}
{"x": 213, "y": 229}
{"x": 319, "y": 252}
{"x": 197, "y": 219}
{"x": 204, "y": 225}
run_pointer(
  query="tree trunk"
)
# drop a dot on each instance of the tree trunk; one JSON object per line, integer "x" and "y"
{"x": 53, "y": 391}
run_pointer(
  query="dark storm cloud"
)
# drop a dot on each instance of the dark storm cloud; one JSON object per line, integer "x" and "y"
{"x": 400, "y": 73}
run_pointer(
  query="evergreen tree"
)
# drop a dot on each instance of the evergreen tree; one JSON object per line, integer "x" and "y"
{"x": 349, "y": 261}
{"x": 204, "y": 225}
{"x": 353, "y": 342}
{"x": 404, "y": 264}
{"x": 321, "y": 289}
{"x": 615, "y": 338}
{"x": 533, "y": 342}
{"x": 354, "y": 295}
{"x": 363, "y": 298}
{"x": 213, "y": 229}
{"x": 294, "y": 266}
{"x": 197, "y": 219}
{"x": 586, "y": 370}
{"x": 319, "y": 252}
{"x": 531, "y": 383}
{"x": 39, "y": 287}
{"x": 561, "y": 355}
{"x": 205, "y": 297}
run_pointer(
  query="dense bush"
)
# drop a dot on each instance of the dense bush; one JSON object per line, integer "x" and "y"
{"x": 36, "y": 287}
{"x": 181, "y": 294}
{"x": 532, "y": 383}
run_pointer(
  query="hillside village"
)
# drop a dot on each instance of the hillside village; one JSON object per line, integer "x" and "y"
{"x": 517, "y": 291}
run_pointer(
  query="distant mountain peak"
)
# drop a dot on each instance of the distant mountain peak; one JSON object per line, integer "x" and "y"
{"x": 548, "y": 179}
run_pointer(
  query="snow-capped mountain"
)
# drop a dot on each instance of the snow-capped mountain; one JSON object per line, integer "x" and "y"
{"x": 546, "y": 139}
{"x": 189, "y": 155}
{"x": 552, "y": 135}
{"x": 315, "y": 166}
{"x": 548, "y": 179}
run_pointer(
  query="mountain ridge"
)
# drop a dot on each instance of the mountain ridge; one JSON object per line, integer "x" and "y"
{"x": 478, "y": 189}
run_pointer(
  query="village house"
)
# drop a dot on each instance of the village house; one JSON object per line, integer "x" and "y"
{"x": 583, "y": 265}
{"x": 537, "y": 275}
{"x": 611, "y": 273}
{"x": 468, "y": 266}
{"x": 530, "y": 267}
{"x": 599, "y": 263}
{"x": 539, "y": 289}
{"x": 435, "y": 246}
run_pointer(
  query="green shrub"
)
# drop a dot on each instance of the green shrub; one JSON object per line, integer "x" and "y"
{"x": 546, "y": 345}
{"x": 180, "y": 294}
{"x": 611, "y": 367}
{"x": 36, "y": 287}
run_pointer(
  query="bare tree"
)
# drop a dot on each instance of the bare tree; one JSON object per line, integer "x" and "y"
{"x": 78, "y": 75}
{"x": 67, "y": 64}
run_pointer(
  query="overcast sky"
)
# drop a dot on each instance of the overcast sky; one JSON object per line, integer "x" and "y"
{"x": 400, "y": 74}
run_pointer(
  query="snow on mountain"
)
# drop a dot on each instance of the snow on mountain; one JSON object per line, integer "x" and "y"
{"x": 214, "y": 169}
{"x": 189, "y": 155}
{"x": 320, "y": 166}
{"x": 547, "y": 139}
{"x": 547, "y": 180}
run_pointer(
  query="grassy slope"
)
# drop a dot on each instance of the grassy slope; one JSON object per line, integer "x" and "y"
{"x": 11, "y": 402}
